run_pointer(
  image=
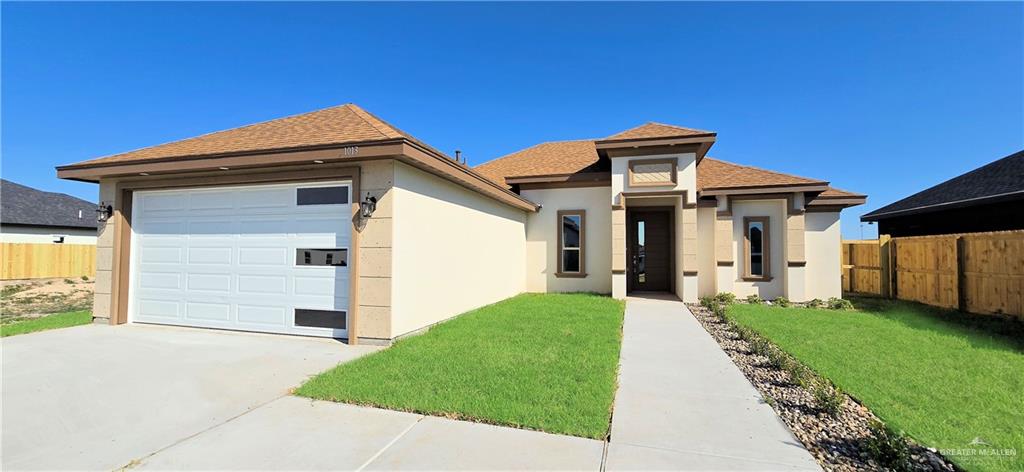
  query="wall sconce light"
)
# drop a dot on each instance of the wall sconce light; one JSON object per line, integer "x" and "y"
{"x": 367, "y": 206}
{"x": 103, "y": 212}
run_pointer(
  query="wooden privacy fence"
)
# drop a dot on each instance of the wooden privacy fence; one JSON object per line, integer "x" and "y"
{"x": 37, "y": 261}
{"x": 973, "y": 272}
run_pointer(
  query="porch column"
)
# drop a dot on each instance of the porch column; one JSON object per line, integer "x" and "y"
{"x": 796, "y": 261}
{"x": 619, "y": 250}
{"x": 689, "y": 238}
{"x": 725, "y": 265}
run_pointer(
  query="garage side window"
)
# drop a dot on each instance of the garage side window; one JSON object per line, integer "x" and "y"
{"x": 571, "y": 243}
{"x": 322, "y": 195}
{"x": 756, "y": 248}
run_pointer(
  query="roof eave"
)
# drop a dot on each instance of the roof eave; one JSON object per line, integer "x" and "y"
{"x": 758, "y": 189}
{"x": 877, "y": 216}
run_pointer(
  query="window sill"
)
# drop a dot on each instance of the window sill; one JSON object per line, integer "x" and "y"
{"x": 757, "y": 278}
{"x": 571, "y": 275}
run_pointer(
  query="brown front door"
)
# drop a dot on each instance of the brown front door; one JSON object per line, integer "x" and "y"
{"x": 650, "y": 250}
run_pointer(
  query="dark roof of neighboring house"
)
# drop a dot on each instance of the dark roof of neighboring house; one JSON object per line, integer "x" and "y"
{"x": 999, "y": 180}
{"x": 21, "y": 205}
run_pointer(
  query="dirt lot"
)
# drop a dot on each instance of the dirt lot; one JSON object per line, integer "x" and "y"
{"x": 22, "y": 299}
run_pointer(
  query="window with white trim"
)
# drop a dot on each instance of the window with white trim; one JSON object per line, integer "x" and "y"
{"x": 756, "y": 247}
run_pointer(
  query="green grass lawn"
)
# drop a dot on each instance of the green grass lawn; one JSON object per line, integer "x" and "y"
{"x": 944, "y": 378}
{"x": 537, "y": 361}
{"x": 59, "y": 320}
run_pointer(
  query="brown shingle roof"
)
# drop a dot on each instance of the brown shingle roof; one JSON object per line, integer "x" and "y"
{"x": 838, "y": 193}
{"x": 330, "y": 126}
{"x": 553, "y": 158}
{"x": 569, "y": 157}
{"x": 715, "y": 174}
{"x": 651, "y": 130}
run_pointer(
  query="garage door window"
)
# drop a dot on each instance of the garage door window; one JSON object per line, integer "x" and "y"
{"x": 320, "y": 318}
{"x": 322, "y": 196}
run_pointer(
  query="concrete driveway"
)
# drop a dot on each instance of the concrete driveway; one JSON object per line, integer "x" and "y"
{"x": 99, "y": 397}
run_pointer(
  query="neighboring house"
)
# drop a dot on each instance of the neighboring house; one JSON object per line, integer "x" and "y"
{"x": 28, "y": 215}
{"x": 989, "y": 198}
{"x": 335, "y": 223}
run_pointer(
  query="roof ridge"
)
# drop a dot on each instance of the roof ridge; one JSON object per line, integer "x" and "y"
{"x": 365, "y": 116}
{"x": 679, "y": 127}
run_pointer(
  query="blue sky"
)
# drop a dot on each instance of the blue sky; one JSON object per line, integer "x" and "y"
{"x": 884, "y": 99}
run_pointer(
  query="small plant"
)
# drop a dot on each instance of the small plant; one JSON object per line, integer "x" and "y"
{"x": 839, "y": 304}
{"x": 754, "y": 299}
{"x": 725, "y": 298}
{"x": 887, "y": 447}
{"x": 85, "y": 278}
{"x": 69, "y": 281}
{"x": 828, "y": 398}
{"x": 759, "y": 346}
{"x": 782, "y": 301}
{"x": 744, "y": 332}
{"x": 816, "y": 303}
{"x": 798, "y": 374}
{"x": 707, "y": 302}
{"x": 778, "y": 359}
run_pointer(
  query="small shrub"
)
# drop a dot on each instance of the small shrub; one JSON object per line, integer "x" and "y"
{"x": 781, "y": 301}
{"x": 85, "y": 278}
{"x": 778, "y": 359}
{"x": 828, "y": 398}
{"x": 839, "y": 304}
{"x": 707, "y": 302}
{"x": 759, "y": 346}
{"x": 816, "y": 303}
{"x": 69, "y": 281}
{"x": 744, "y": 332}
{"x": 725, "y": 298}
{"x": 754, "y": 299}
{"x": 887, "y": 447}
{"x": 719, "y": 311}
{"x": 798, "y": 374}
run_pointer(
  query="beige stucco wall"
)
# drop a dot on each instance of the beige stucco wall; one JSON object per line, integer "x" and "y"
{"x": 821, "y": 243}
{"x": 452, "y": 250}
{"x": 542, "y": 239}
{"x": 686, "y": 174}
{"x": 375, "y": 251}
{"x": 706, "y": 251}
{"x": 775, "y": 211}
{"x": 102, "y": 300}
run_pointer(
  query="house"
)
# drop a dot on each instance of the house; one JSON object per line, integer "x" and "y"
{"x": 989, "y": 198}
{"x": 28, "y": 215}
{"x": 336, "y": 223}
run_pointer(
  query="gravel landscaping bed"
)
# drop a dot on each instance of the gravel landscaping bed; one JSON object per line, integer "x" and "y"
{"x": 840, "y": 440}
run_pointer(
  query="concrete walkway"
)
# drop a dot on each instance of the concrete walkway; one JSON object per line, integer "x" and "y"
{"x": 683, "y": 405}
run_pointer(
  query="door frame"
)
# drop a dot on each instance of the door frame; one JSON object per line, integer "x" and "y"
{"x": 631, "y": 242}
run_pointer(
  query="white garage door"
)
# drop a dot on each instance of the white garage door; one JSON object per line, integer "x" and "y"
{"x": 269, "y": 258}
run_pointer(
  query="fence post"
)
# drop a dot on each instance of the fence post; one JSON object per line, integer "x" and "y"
{"x": 885, "y": 266}
{"x": 961, "y": 291}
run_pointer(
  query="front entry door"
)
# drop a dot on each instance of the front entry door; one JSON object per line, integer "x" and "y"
{"x": 650, "y": 250}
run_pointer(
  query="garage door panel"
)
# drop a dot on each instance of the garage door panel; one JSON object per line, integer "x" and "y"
{"x": 262, "y": 256}
{"x": 259, "y": 227}
{"x": 214, "y": 255}
{"x": 208, "y": 311}
{"x": 263, "y": 284}
{"x": 210, "y": 282}
{"x": 160, "y": 255}
{"x": 226, "y": 258}
{"x": 211, "y": 200}
{"x": 262, "y": 315}
{"x": 160, "y": 280}
{"x": 158, "y": 309}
